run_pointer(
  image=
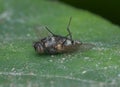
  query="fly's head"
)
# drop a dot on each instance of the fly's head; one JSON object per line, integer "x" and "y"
{"x": 38, "y": 47}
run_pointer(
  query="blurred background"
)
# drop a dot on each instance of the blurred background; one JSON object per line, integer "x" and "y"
{"x": 109, "y": 9}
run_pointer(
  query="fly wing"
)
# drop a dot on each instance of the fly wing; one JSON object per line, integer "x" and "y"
{"x": 41, "y": 32}
{"x": 86, "y": 46}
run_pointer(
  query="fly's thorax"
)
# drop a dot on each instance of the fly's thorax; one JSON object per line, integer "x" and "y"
{"x": 50, "y": 41}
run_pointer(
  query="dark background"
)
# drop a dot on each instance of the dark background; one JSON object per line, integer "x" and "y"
{"x": 109, "y": 9}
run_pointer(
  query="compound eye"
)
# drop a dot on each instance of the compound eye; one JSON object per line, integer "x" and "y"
{"x": 38, "y": 48}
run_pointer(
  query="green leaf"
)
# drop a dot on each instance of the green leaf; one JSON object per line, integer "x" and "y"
{"x": 20, "y": 66}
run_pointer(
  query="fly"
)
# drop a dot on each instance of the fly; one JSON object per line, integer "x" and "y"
{"x": 56, "y": 44}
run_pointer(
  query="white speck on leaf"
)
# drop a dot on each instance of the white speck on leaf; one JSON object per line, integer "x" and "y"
{"x": 86, "y": 58}
{"x": 28, "y": 35}
{"x": 105, "y": 68}
{"x": 13, "y": 69}
{"x": 84, "y": 72}
{"x": 51, "y": 60}
{"x": 52, "y": 56}
{"x": 6, "y": 15}
{"x": 110, "y": 58}
{"x": 118, "y": 75}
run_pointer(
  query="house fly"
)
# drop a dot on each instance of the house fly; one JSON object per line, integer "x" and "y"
{"x": 56, "y": 44}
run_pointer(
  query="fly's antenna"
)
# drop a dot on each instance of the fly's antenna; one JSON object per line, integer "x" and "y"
{"x": 69, "y": 29}
{"x": 50, "y": 31}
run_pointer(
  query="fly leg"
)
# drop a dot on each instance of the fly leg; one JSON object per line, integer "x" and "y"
{"x": 65, "y": 39}
{"x": 50, "y": 31}
{"x": 69, "y": 32}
